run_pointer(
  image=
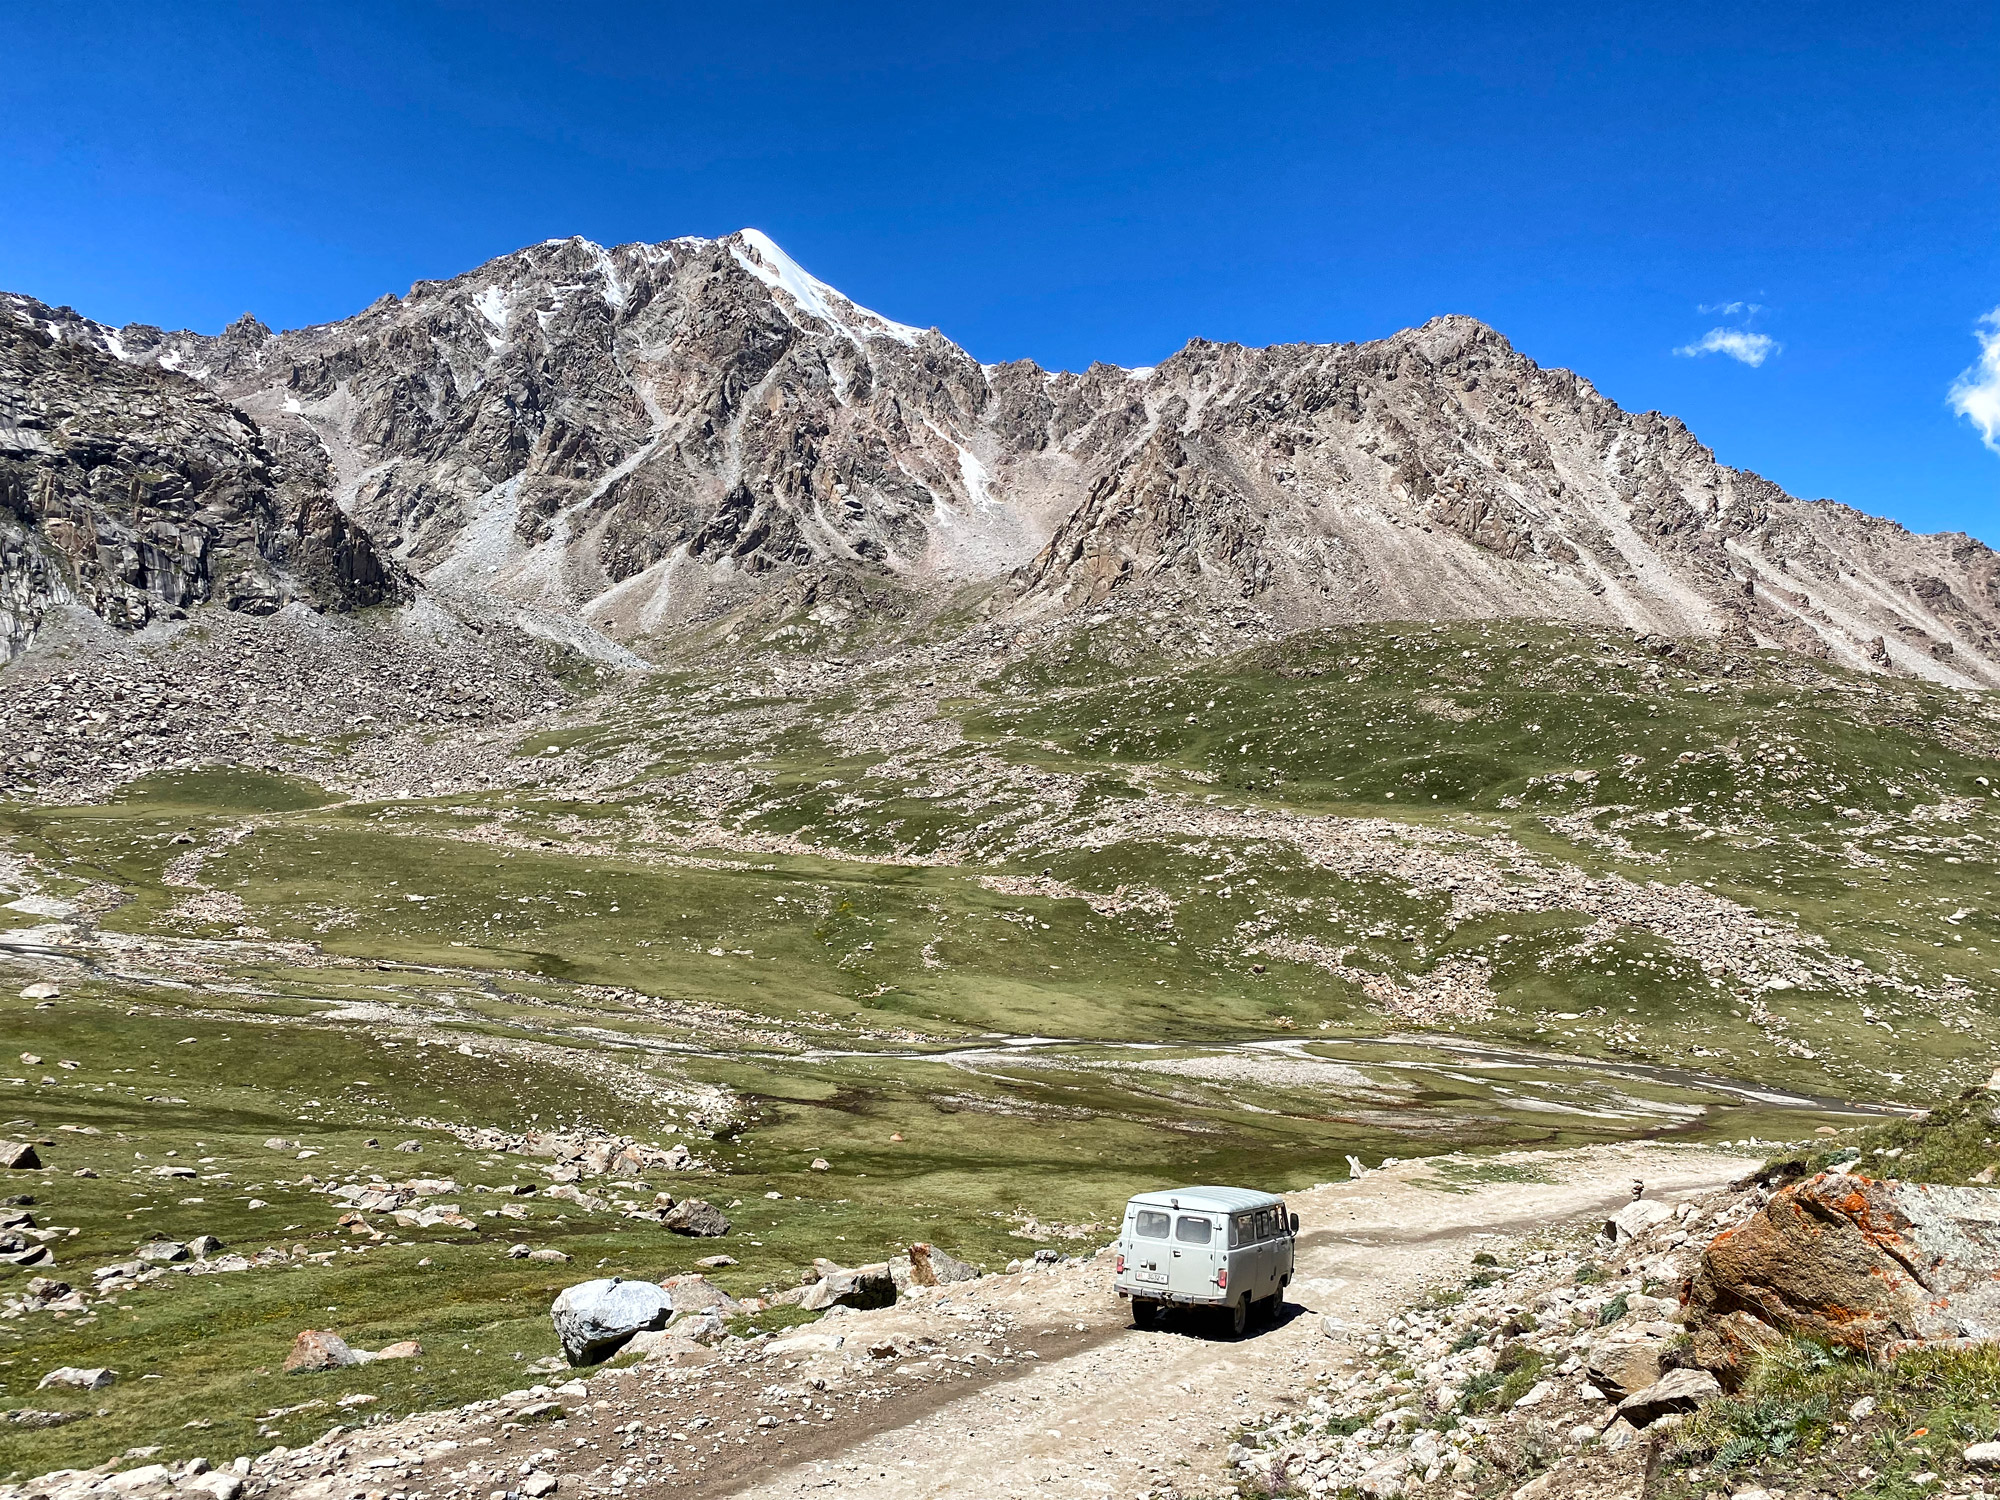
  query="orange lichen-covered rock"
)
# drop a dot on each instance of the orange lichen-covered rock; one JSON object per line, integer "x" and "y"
{"x": 1859, "y": 1262}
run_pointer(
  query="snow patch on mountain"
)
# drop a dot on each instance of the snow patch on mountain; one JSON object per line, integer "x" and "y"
{"x": 758, "y": 254}
{"x": 491, "y": 305}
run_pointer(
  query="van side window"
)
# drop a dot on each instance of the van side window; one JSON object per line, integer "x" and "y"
{"x": 1192, "y": 1231}
{"x": 1151, "y": 1225}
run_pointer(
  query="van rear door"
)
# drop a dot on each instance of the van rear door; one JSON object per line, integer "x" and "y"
{"x": 1199, "y": 1246}
{"x": 1149, "y": 1250}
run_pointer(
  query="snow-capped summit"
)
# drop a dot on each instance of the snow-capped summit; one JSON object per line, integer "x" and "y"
{"x": 759, "y": 254}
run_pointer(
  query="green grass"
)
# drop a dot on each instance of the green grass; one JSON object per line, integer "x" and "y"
{"x": 1790, "y": 1424}
{"x": 780, "y": 941}
{"x": 1952, "y": 1142}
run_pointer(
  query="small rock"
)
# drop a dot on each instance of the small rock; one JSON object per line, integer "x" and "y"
{"x": 167, "y": 1251}
{"x": 695, "y": 1217}
{"x": 697, "y": 1294}
{"x": 1862, "y": 1410}
{"x": 1983, "y": 1455}
{"x": 409, "y": 1146}
{"x": 555, "y": 1257}
{"x": 222, "y": 1484}
{"x": 401, "y": 1349}
{"x": 807, "y": 1343}
{"x": 131, "y": 1481}
{"x": 25, "y": 1416}
{"x": 1635, "y": 1218}
{"x": 204, "y": 1245}
{"x": 70, "y": 1378}
{"x": 538, "y": 1484}
{"x": 1619, "y": 1435}
{"x": 820, "y": 1164}
{"x": 315, "y": 1350}
{"x": 1542, "y": 1390}
{"x": 930, "y": 1266}
{"x": 42, "y": 989}
{"x": 1675, "y": 1391}
{"x": 716, "y": 1262}
{"x": 20, "y": 1156}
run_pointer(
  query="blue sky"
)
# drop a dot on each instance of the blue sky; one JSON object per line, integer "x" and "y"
{"x": 1074, "y": 182}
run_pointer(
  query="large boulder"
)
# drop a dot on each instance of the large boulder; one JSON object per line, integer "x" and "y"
{"x": 863, "y": 1287}
{"x": 1858, "y": 1262}
{"x": 1626, "y": 1358}
{"x": 595, "y": 1319}
{"x": 1675, "y": 1391}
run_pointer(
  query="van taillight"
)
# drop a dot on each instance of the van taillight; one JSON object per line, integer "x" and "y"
{"x": 1222, "y": 1278}
{"x": 1121, "y": 1265}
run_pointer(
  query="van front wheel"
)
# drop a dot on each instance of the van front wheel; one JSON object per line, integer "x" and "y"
{"x": 1239, "y": 1315}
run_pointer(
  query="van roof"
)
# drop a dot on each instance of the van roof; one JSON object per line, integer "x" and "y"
{"x": 1210, "y": 1199}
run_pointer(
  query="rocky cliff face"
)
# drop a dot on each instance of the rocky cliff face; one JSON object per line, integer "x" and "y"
{"x": 653, "y": 435}
{"x": 139, "y": 494}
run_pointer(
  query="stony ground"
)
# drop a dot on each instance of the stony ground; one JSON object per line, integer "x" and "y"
{"x": 1013, "y": 1385}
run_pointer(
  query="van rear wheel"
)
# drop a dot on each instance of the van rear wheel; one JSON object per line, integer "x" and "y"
{"x": 1145, "y": 1314}
{"x": 1239, "y": 1315}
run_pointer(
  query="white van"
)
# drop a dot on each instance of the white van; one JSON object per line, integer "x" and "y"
{"x": 1218, "y": 1247}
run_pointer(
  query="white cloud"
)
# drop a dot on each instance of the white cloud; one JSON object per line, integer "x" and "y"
{"x": 1731, "y": 309}
{"x": 1975, "y": 395}
{"x": 1751, "y": 348}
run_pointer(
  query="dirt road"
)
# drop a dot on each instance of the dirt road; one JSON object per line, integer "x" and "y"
{"x": 1134, "y": 1409}
{"x": 1004, "y": 1388}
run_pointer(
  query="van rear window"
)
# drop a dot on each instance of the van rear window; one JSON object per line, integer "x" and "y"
{"x": 1192, "y": 1231}
{"x": 1151, "y": 1225}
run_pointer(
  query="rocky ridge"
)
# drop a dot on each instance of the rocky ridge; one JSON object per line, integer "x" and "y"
{"x": 140, "y": 494}
{"x": 698, "y": 432}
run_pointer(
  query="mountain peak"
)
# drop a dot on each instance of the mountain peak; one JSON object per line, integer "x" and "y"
{"x": 761, "y": 256}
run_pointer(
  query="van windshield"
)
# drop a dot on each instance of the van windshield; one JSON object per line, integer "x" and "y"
{"x": 1151, "y": 1224}
{"x": 1192, "y": 1231}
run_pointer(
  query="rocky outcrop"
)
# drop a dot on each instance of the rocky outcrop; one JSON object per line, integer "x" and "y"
{"x": 140, "y": 494}
{"x": 1852, "y": 1261}
{"x": 681, "y": 433}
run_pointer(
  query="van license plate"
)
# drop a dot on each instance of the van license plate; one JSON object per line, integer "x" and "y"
{"x": 1157, "y": 1278}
